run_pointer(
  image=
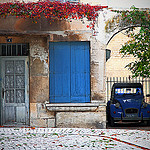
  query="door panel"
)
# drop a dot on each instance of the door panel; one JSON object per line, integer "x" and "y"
{"x": 20, "y": 111}
{"x": 69, "y": 72}
{"x": 15, "y": 100}
{"x": 9, "y": 114}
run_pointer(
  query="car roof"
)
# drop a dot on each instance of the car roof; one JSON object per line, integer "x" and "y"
{"x": 127, "y": 85}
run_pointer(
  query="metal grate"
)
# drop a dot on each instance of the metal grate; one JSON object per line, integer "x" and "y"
{"x": 15, "y": 81}
{"x": 14, "y": 49}
{"x": 111, "y": 80}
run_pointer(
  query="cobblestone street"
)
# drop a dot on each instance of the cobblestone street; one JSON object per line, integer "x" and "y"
{"x": 73, "y": 138}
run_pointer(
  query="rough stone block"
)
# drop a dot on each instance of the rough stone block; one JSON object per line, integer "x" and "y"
{"x": 43, "y": 113}
{"x": 38, "y": 122}
{"x": 33, "y": 111}
{"x": 38, "y": 67}
{"x": 51, "y": 123}
{"x": 39, "y": 89}
{"x": 81, "y": 119}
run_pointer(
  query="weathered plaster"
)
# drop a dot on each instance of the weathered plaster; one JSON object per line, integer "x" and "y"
{"x": 102, "y": 35}
{"x": 39, "y": 89}
{"x": 37, "y": 51}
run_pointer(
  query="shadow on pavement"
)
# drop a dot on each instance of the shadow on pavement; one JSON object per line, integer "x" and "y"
{"x": 132, "y": 126}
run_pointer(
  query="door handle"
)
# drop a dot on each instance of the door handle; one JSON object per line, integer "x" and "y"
{"x": 3, "y": 92}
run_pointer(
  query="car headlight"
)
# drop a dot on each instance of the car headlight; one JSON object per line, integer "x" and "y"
{"x": 144, "y": 104}
{"x": 117, "y": 105}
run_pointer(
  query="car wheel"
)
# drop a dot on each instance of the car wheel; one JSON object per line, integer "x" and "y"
{"x": 112, "y": 123}
{"x": 148, "y": 122}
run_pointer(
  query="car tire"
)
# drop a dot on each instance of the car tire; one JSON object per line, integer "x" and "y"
{"x": 148, "y": 122}
{"x": 112, "y": 123}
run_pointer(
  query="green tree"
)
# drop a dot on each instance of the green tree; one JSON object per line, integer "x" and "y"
{"x": 139, "y": 45}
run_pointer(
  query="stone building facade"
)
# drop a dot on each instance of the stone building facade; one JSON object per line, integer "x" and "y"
{"x": 34, "y": 107}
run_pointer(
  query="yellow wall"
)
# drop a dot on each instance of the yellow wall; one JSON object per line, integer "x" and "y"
{"x": 115, "y": 66}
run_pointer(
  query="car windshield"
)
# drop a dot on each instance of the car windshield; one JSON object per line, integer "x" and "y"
{"x": 128, "y": 91}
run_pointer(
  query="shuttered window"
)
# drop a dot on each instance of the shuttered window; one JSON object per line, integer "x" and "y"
{"x": 69, "y": 72}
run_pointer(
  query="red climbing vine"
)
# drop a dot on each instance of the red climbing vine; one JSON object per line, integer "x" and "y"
{"x": 51, "y": 10}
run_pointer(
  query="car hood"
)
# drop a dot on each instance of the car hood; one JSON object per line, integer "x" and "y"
{"x": 130, "y": 102}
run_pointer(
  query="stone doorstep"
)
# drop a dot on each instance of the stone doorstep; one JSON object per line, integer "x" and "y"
{"x": 78, "y": 107}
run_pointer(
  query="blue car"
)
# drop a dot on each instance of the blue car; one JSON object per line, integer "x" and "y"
{"x": 127, "y": 104}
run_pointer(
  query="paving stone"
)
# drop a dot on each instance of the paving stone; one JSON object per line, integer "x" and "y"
{"x": 73, "y": 138}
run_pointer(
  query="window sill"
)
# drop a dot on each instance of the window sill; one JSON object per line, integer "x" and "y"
{"x": 74, "y": 107}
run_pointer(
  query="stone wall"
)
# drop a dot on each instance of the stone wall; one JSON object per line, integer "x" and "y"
{"x": 43, "y": 115}
{"x": 81, "y": 119}
{"x": 97, "y": 70}
{"x": 38, "y": 36}
{"x": 82, "y": 116}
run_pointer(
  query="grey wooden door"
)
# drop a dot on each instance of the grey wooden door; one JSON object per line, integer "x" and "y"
{"x": 14, "y": 92}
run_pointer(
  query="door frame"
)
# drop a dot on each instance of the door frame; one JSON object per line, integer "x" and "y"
{"x": 26, "y": 58}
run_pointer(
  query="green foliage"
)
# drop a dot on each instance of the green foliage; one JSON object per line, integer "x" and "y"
{"x": 138, "y": 46}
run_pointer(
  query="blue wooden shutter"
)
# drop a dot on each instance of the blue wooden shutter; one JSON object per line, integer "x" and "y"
{"x": 80, "y": 72}
{"x": 69, "y": 72}
{"x": 59, "y": 72}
